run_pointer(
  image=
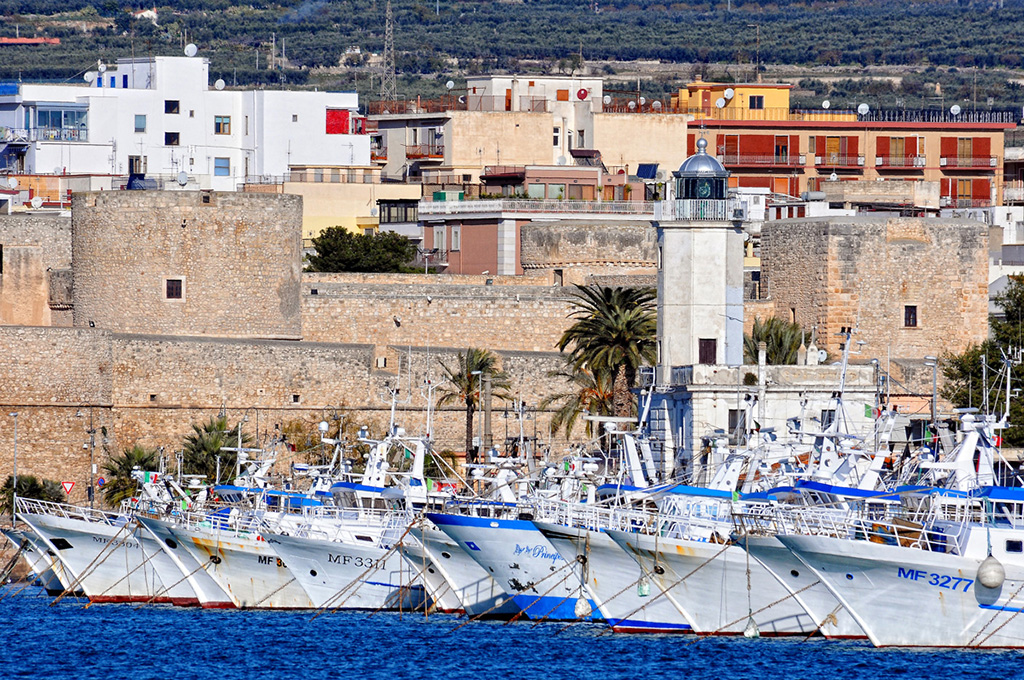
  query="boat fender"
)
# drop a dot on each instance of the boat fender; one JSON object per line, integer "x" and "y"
{"x": 991, "y": 573}
{"x": 582, "y": 608}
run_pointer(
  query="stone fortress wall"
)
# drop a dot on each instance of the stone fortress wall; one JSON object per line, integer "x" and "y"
{"x": 237, "y": 258}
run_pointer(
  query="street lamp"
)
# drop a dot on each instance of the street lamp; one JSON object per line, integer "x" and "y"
{"x": 14, "y": 487}
{"x": 471, "y": 381}
{"x": 92, "y": 453}
{"x": 934, "y": 363}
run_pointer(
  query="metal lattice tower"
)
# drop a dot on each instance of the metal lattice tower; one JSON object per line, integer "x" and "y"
{"x": 388, "y": 89}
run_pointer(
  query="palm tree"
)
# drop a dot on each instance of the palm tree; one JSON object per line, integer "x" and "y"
{"x": 783, "y": 339}
{"x": 462, "y": 383}
{"x": 203, "y": 446}
{"x": 120, "y": 484}
{"x": 614, "y": 331}
{"x": 589, "y": 393}
{"x": 30, "y": 486}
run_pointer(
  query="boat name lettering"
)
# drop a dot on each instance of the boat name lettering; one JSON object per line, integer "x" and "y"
{"x": 354, "y": 560}
{"x": 538, "y": 551}
{"x": 937, "y": 580}
{"x": 123, "y": 542}
{"x": 270, "y": 559}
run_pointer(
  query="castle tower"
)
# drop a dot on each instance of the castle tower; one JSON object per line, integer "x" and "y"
{"x": 700, "y": 271}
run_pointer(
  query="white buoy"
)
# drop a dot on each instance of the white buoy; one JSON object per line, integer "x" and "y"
{"x": 991, "y": 573}
{"x": 582, "y": 608}
{"x": 751, "y": 631}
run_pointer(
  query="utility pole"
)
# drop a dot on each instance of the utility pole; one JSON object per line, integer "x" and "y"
{"x": 757, "y": 63}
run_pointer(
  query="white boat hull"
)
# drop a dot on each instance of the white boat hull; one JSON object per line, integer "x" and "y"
{"x": 707, "y": 584}
{"x": 908, "y": 597}
{"x": 208, "y": 592}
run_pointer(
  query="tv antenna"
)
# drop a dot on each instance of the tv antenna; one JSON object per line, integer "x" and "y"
{"x": 388, "y": 89}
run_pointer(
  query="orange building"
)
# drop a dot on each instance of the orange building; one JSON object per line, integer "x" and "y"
{"x": 764, "y": 143}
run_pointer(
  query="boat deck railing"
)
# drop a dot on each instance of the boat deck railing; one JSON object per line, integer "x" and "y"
{"x": 38, "y": 507}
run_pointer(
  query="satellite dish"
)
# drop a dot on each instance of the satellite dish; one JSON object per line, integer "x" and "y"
{"x": 825, "y": 104}
{"x": 191, "y": 50}
{"x": 373, "y": 212}
{"x": 729, "y": 93}
{"x": 462, "y": 99}
{"x": 12, "y": 182}
{"x": 89, "y": 76}
{"x": 58, "y": 170}
{"x": 822, "y": 355}
{"x": 631, "y": 105}
{"x": 607, "y": 99}
{"x": 102, "y": 68}
{"x": 656, "y": 105}
{"x": 182, "y": 178}
{"x": 720, "y": 102}
{"x": 833, "y": 177}
{"x": 863, "y": 109}
{"x": 562, "y": 160}
{"x": 37, "y": 202}
{"x": 219, "y": 85}
{"x": 955, "y": 109}
{"x": 582, "y": 93}
{"x": 660, "y": 175}
{"x": 450, "y": 84}
{"x": 643, "y": 100}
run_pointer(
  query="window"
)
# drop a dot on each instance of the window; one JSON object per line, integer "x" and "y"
{"x": 221, "y": 167}
{"x": 1014, "y": 546}
{"x": 222, "y": 125}
{"x": 580, "y": 137}
{"x": 295, "y": 118}
{"x": 535, "y": 191}
{"x": 171, "y": 106}
{"x": 247, "y": 125}
{"x": 456, "y": 238}
{"x": 174, "y": 290}
{"x": 556, "y": 137}
{"x": 170, "y": 139}
{"x": 136, "y": 165}
{"x": 562, "y": 95}
{"x": 737, "y": 424}
{"x": 124, "y": 80}
{"x": 707, "y": 351}
{"x": 828, "y": 416}
{"x": 910, "y": 316}
{"x": 140, "y": 122}
{"x": 556, "y": 191}
{"x": 757, "y": 101}
{"x": 439, "y": 238}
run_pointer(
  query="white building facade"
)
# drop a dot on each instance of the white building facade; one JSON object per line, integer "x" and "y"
{"x": 160, "y": 116}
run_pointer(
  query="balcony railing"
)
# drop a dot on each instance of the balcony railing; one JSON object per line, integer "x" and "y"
{"x": 536, "y": 206}
{"x": 317, "y": 176}
{"x": 379, "y": 154}
{"x": 899, "y": 161}
{"x": 953, "y": 202}
{"x": 776, "y": 160}
{"x": 425, "y": 151}
{"x": 835, "y": 161}
{"x": 44, "y": 134}
{"x": 967, "y": 162}
{"x": 701, "y": 209}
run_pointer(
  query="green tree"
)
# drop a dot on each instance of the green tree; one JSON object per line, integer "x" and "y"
{"x": 462, "y": 384}
{"x": 782, "y": 338}
{"x": 340, "y": 250}
{"x": 615, "y": 332}
{"x": 119, "y": 483}
{"x": 203, "y": 445}
{"x": 965, "y": 378}
{"x": 588, "y": 393}
{"x": 30, "y": 486}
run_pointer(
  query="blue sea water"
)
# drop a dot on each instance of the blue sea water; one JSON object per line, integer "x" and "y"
{"x": 110, "y": 642}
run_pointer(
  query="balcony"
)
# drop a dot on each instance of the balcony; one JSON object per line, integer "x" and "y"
{"x": 899, "y": 161}
{"x": 763, "y": 161}
{"x": 425, "y": 151}
{"x": 1013, "y": 191}
{"x": 837, "y": 161}
{"x": 968, "y": 162}
{"x": 701, "y": 209}
{"x": 954, "y": 202}
{"x": 44, "y": 134}
{"x": 643, "y": 208}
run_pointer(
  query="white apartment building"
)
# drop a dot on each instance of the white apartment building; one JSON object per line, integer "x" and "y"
{"x": 160, "y": 116}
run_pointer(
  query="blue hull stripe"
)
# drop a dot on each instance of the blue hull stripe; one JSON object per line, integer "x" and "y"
{"x": 461, "y": 521}
{"x": 550, "y": 608}
{"x": 996, "y": 608}
{"x": 651, "y": 625}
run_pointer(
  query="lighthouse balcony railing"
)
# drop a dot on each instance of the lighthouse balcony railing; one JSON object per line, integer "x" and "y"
{"x": 701, "y": 209}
